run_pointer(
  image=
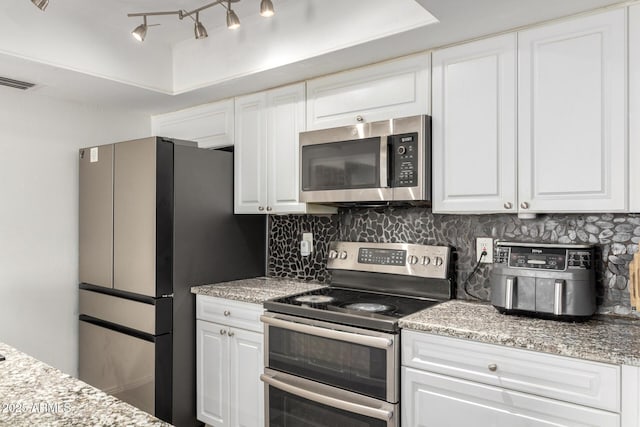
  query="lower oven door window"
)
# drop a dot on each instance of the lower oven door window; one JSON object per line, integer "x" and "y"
{"x": 359, "y": 363}
{"x": 294, "y": 402}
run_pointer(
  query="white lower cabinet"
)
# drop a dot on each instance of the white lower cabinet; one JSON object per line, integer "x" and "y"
{"x": 229, "y": 363}
{"x": 450, "y": 382}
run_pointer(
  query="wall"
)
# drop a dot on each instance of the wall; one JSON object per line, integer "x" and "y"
{"x": 39, "y": 219}
{"x": 616, "y": 237}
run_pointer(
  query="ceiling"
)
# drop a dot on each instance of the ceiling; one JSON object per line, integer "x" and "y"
{"x": 83, "y": 51}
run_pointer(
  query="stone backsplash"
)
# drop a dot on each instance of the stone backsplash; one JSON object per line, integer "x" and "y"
{"x": 615, "y": 235}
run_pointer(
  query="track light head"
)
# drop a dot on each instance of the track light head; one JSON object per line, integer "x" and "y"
{"x": 199, "y": 30}
{"x": 266, "y": 8}
{"x": 140, "y": 32}
{"x": 41, "y": 4}
{"x": 233, "y": 21}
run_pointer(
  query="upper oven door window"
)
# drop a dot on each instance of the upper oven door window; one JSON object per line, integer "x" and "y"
{"x": 345, "y": 165}
{"x": 359, "y": 363}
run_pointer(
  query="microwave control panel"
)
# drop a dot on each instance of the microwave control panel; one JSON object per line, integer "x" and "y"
{"x": 544, "y": 257}
{"x": 405, "y": 159}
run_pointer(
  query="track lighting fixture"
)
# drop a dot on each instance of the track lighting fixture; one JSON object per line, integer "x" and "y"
{"x": 140, "y": 32}
{"x": 198, "y": 29}
{"x": 200, "y": 32}
{"x": 266, "y": 8}
{"x": 233, "y": 21}
{"x": 41, "y": 4}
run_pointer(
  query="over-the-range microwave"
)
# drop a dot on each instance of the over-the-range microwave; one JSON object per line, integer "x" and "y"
{"x": 384, "y": 162}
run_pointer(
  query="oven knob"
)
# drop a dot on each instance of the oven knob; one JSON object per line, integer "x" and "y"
{"x": 426, "y": 260}
{"x": 333, "y": 254}
{"x": 412, "y": 259}
{"x": 402, "y": 150}
{"x": 343, "y": 255}
{"x": 438, "y": 261}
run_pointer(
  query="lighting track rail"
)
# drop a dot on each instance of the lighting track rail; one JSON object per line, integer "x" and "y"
{"x": 200, "y": 32}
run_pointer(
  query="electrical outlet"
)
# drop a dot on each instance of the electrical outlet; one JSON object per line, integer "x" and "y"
{"x": 484, "y": 244}
{"x": 306, "y": 244}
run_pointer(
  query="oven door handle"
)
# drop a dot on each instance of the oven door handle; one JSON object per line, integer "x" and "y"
{"x": 339, "y": 403}
{"x": 366, "y": 340}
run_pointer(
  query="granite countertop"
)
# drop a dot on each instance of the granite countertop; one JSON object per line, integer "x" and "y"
{"x": 34, "y": 393}
{"x": 256, "y": 290}
{"x": 608, "y": 339}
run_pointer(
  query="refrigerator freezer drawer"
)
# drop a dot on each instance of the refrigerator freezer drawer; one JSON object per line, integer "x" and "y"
{"x": 153, "y": 319}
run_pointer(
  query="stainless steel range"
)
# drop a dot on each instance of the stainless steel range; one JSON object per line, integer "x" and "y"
{"x": 332, "y": 356}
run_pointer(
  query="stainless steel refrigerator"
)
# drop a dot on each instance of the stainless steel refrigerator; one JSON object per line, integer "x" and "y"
{"x": 156, "y": 217}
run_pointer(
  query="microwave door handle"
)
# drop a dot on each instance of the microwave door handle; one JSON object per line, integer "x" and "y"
{"x": 334, "y": 402}
{"x": 385, "y": 158}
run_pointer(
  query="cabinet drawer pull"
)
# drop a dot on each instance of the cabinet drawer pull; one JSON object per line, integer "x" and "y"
{"x": 493, "y": 367}
{"x": 360, "y": 119}
{"x": 508, "y": 205}
{"x": 227, "y": 313}
{"x": 524, "y": 205}
{"x": 222, "y": 332}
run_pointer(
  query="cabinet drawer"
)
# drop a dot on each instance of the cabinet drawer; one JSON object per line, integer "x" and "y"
{"x": 228, "y": 312}
{"x": 572, "y": 380}
{"x": 435, "y": 400}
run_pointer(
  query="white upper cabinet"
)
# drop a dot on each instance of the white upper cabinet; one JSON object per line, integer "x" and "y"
{"x": 474, "y": 127}
{"x": 211, "y": 125}
{"x": 267, "y": 172}
{"x": 391, "y": 89}
{"x": 571, "y": 115}
{"x": 250, "y": 154}
{"x": 634, "y": 106}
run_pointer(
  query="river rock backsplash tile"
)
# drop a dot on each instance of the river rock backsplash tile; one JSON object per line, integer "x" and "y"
{"x": 616, "y": 237}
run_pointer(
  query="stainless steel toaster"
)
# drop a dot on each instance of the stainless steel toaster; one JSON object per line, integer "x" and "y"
{"x": 544, "y": 280}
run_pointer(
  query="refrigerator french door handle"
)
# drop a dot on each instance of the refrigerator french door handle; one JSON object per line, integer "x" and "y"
{"x": 334, "y": 402}
{"x": 369, "y": 341}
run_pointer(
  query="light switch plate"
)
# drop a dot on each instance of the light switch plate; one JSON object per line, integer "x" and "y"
{"x": 306, "y": 244}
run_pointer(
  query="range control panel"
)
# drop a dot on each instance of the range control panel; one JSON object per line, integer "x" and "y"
{"x": 405, "y": 159}
{"x": 555, "y": 257}
{"x": 394, "y": 258}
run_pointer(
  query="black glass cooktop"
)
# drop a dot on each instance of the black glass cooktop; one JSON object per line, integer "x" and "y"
{"x": 350, "y": 307}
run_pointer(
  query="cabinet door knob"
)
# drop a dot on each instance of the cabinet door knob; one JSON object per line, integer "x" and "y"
{"x": 508, "y": 205}
{"x": 260, "y": 208}
{"x": 493, "y": 367}
{"x": 359, "y": 118}
{"x": 524, "y": 205}
{"x": 269, "y": 209}
{"x": 227, "y": 313}
{"x": 222, "y": 332}
{"x": 231, "y": 333}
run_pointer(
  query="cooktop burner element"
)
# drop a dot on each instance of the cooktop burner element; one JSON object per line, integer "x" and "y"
{"x": 314, "y": 299}
{"x": 374, "y": 285}
{"x": 369, "y": 306}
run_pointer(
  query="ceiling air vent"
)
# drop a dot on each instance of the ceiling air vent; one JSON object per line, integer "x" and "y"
{"x": 17, "y": 84}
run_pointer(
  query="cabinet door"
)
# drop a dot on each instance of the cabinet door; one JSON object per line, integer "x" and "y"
{"x": 474, "y": 127}
{"x": 391, "y": 89}
{"x": 246, "y": 391}
{"x": 440, "y": 401}
{"x": 634, "y": 106}
{"x": 250, "y": 154}
{"x": 212, "y": 366}
{"x": 211, "y": 125}
{"x": 285, "y": 120}
{"x": 571, "y": 115}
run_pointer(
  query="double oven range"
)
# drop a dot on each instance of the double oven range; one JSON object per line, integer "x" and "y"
{"x": 332, "y": 356}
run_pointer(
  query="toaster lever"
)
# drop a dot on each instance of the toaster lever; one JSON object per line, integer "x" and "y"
{"x": 508, "y": 293}
{"x": 558, "y": 299}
